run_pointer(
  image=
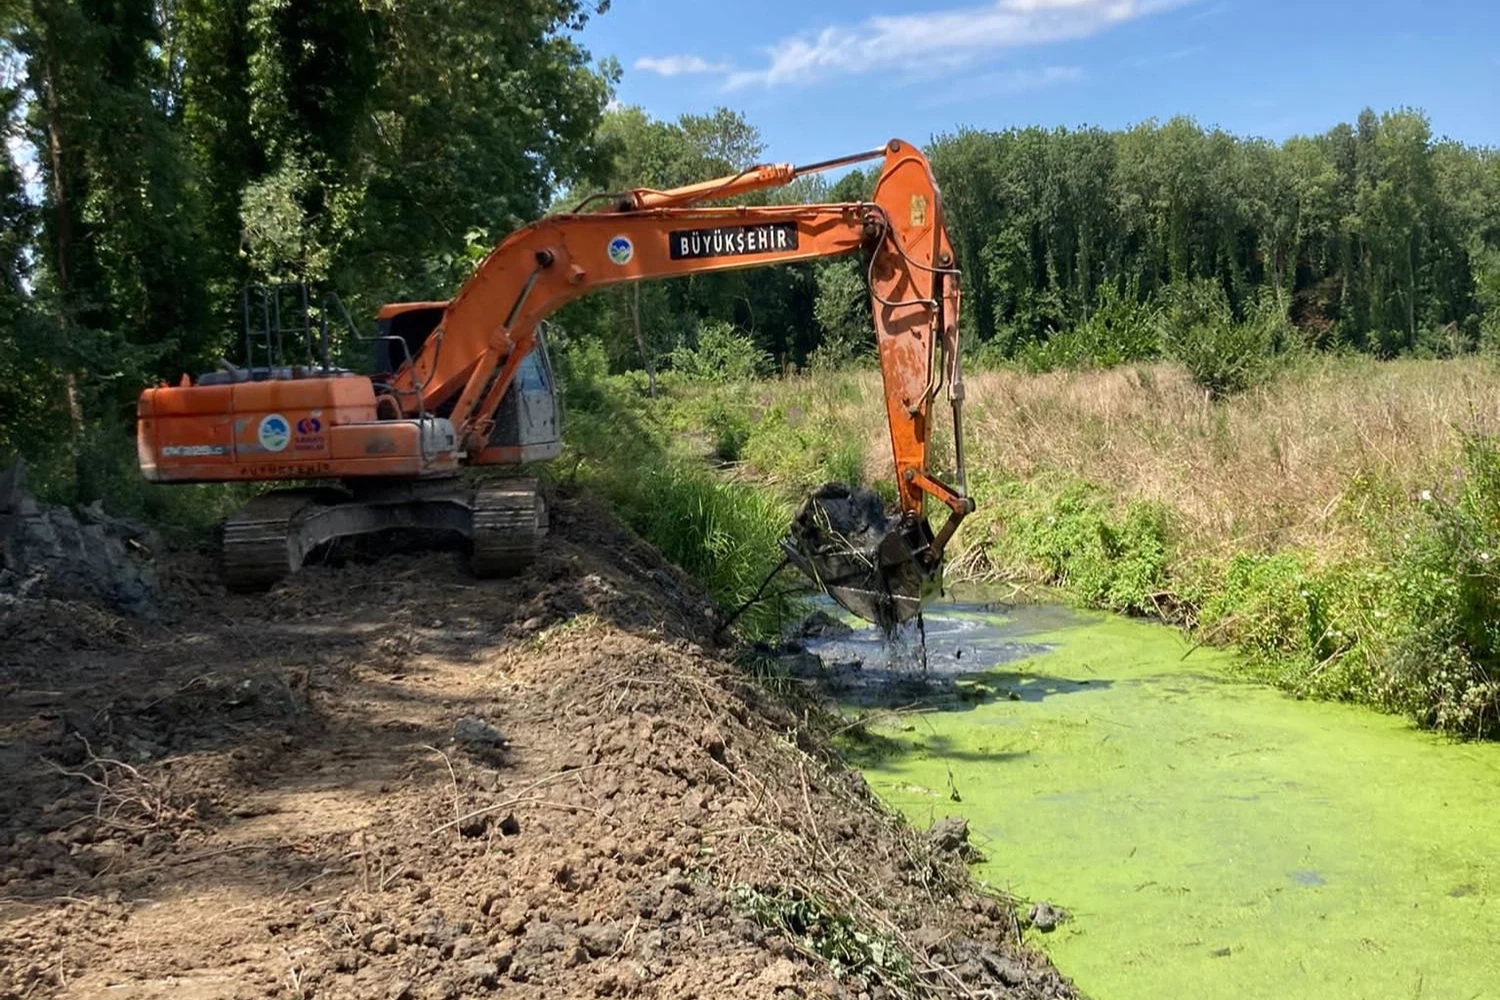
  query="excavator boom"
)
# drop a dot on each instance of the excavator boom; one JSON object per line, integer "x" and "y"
{"x": 437, "y": 412}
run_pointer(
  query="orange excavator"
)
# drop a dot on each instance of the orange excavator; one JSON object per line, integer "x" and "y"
{"x": 467, "y": 382}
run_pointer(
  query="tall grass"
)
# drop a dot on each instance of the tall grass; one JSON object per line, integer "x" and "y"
{"x": 1337, "y": 523}
{"x": 639, "y": 457}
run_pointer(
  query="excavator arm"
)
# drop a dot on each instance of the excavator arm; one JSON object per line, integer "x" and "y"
{"x": 882, "y": 573}
{"x": 470, "y": 360}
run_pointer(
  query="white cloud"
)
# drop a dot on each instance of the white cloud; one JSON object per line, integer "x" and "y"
{"x": 679, "y": 65}
{"x": 1006, "y": 83}
{"x": 962, "y": 34}
{"x": 912, "y": 44}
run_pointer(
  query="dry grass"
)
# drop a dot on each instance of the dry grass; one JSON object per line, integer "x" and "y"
{"x": 1286, "y": 465}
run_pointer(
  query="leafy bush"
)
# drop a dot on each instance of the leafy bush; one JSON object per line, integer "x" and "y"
{"x": 1445, "y": 665}
{"x": 729, "y": 426}
{"x": 836, "y": 936}
{"x": 842, "y": 313}
{"x": 1198, "y": 329}
{"x": 986, "y": 355}
{"x": 725, "y": 533}
{"x": 723, "y": 354}
{"x": 1278, "y": 608}
{"x": 1120, "y": 329}
{"x": 1068, "y": 535}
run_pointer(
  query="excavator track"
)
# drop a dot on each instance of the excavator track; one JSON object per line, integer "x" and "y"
{"x": 255, "y": 552}
{"x": 508, "y": 524}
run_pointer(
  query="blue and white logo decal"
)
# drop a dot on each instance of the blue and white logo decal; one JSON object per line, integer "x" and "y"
{"x": 621, "y": 250}
{"x": 275, "y": 433}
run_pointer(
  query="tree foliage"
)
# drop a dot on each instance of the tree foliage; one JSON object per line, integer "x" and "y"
{"x": 185, "y": 148}
{"x": 1379, "y": 237}
{"x": 173, "y": 151}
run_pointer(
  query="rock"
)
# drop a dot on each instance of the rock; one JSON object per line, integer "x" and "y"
{"x": 821, "y": 625}
{"x": 384, "y": 943}
{"x": 801, "y": 663}
{"x": 1007, "y": 970}
{"x": 929, "y": 940}
{"x": 476, "y": 731}
{"x": 434, "y": 932}
{"x": 543, "y": 936}
{"x": 466, "y": 947}
{"x": 600, "y": 939}
{"x": 475, "y": 826}
{"x": 1045, "y": 917}
{"x": 78, "y": 554}
{"x": 480, "y": 972}
{"x": 400, "y": 990}
{"x": 950, "y": 834}
{"x": 513, "y": 919}
{"x": 712, "y": 739}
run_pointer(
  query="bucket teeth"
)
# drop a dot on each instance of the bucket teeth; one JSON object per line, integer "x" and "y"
{"x": 841, "y": 538}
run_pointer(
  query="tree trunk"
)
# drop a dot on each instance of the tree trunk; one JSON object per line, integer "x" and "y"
{"x": 64, "y": 239}
{"x": 640, "y": 341}
{"x": 1411, "y": 295}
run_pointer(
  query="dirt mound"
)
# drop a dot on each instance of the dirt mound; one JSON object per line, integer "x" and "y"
{"x": 394, "y": 781}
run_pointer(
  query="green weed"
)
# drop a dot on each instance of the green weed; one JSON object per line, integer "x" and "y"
{"x": 827, "y": 933}
{"x": 1444, "y": 662}
{"x": 1063, "y": 532}
{"x": 1119, "y": 329}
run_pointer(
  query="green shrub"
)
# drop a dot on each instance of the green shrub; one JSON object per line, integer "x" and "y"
{"x": 729, "y": 427}
{"x": 721, "y": 353}
{"x": 724, "y": 533}
{"x": 1444, "y": 667}
{"x": 1070, "y": 536}
{"x": 1120, "y": 329}
{"x": 986, "y": 355}
{"x": 1198, "y": 329}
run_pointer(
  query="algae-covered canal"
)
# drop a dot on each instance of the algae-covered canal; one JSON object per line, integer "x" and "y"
{"x": 1211, "y": 838}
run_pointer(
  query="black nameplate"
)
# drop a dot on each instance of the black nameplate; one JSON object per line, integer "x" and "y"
{"x": 733, "y": 241}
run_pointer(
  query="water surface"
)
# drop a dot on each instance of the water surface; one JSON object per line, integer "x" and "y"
{"x": 1211, "y": 838}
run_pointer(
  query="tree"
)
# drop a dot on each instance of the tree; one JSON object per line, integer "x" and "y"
{"x": 185, "y": 147}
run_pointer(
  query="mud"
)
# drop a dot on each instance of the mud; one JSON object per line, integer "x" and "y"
{"x": 842, "y": 540}
{"x": 392, "y": 781}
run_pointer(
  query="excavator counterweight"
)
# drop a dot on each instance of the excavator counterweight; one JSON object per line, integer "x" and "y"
{"x": 466, "y": 383}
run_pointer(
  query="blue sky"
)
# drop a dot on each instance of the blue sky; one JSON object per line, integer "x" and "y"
{"x": 821, "y": 77}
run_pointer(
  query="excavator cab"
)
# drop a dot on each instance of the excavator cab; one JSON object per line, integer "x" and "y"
{"x": 526, "y": 425}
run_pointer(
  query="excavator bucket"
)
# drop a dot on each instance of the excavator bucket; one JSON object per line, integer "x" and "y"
{"x": 842, "y": 539}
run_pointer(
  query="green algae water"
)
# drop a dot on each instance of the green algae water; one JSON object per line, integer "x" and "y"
{"x": 1210, "y": 838}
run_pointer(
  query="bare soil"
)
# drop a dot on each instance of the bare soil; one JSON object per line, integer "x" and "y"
{"x": 392, "y": 781}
